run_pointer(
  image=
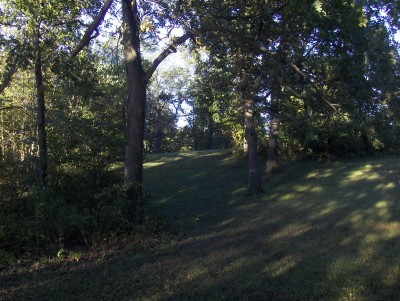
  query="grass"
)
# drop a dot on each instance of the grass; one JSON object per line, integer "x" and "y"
{"x": 322, "y": 231}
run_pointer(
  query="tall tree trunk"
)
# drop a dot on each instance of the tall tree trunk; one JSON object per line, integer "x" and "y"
{"x": 196, "y": 138}
{"x": 41, "y": 109}
{"x": 273, "y": 146}
{"x": 251, "y": 138}
{"x": 211, "y": 127}
{"x": 254, "y": 185}
{"x": 136, "y": 104}
{"x": 2, "y": 144}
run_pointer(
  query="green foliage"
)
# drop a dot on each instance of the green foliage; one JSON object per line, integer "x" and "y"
{"x": 73, "y": 210}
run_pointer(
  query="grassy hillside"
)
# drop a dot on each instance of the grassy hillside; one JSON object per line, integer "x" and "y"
{"x": 322, "y": 231}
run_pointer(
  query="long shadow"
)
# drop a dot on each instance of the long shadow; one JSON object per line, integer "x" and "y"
{"x": 321, "y": 232}
{"x": 326, "y": 211}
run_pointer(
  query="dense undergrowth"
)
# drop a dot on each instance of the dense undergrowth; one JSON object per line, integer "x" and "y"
{"x": 78, "y": 208}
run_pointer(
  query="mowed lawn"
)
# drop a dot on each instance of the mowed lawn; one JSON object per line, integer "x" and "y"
{"x": 321, "y": 231}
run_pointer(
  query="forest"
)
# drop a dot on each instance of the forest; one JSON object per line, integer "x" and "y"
{"x": 151, "y": 129}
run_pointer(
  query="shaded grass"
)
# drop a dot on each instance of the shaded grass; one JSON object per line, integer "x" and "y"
{"x": 322, "y": 231}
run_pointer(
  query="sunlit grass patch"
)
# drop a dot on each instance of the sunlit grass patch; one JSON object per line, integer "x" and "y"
{"x": 153, "y": 164}
{"x": 291, "y": 231}
{"x": 282, "y": 266}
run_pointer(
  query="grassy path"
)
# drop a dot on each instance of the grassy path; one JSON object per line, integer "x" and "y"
{"x": 322, "y": 231}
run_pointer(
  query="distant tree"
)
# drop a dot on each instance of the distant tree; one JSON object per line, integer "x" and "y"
{"x": 167, "y": 94}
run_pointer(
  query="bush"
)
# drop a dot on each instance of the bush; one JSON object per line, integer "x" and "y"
{"x": 75, "y": 209}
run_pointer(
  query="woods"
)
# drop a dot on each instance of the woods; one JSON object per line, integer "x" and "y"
{"x": 86, "y": 85}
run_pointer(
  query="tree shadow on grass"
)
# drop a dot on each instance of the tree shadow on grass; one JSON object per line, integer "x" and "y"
{"x": 321, "y": 232}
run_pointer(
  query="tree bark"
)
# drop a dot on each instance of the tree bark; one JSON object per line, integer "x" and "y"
{"x": 41, "y": 109}
{"x": 136, "y": 105}
{"x": 273, "y": 145}
{"x": 2, "y": 148}
{"x": 254, "y": 185}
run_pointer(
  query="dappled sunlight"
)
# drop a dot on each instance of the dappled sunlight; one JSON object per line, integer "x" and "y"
{"x": 226, "y": 222}
{"x": 239, "y": 263}
{"x": 382, "y": 209}
{"x": 282, "y": 266}
{"x": 393, "y": 275}
{"x": 291, "y": 231}
{"x": 302, "y": 188}
{"x": 289, "y": 196}
{"x": 196, "y": 272}
{"x": 164, "y": 200}
{"x": 316, "y": 234}
{"x": 153, "y": 164}
{"x": 338, "y": 274}
{"x": 390, "y": 229}
{"x": 198, "y": 175}
{"x": 385, "y": 186}
{"x": 320, "y": 174}
{"x": 329, "y": 209}
{"x": 317, "y": 189}
{"x": 247, "y": 206}
{"x": 367, "y": 172}
{"x": 239, "y": 191}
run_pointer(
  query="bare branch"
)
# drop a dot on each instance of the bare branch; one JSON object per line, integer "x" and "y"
{"x": 87, "y": 37}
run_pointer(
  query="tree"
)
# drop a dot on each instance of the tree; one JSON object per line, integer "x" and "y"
{"x": 41, "y": 108}
{"x": 210, "y": 92}
{"x": 138, "y": 78}
{"x": 37, "y": 27}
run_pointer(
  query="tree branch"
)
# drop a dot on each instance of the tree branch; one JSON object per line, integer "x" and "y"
{"x": 87, "y": 37}
{"x": 10, "y": 108}
{"x": 170, "y": 49}
{"x": 8, "y": 74}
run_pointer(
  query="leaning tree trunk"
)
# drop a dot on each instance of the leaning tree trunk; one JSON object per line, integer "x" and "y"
{"x": 41, "y": 108}
{"x": 254, "y": 185}
{"x": 273, "y": 146}
{"x": 136, "y": 104}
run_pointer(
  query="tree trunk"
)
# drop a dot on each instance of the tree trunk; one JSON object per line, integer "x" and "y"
{"x": 41, "y": 108}
{"x": 159, "y": 137}
{"x": 273, "y": 146}
{"x": 196, "y": 138}
{"x": 211, "y": 127}
{"x": 136, "y": 104}
{"x": 2, "y": 147}
{"x": 251, "y": 137}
